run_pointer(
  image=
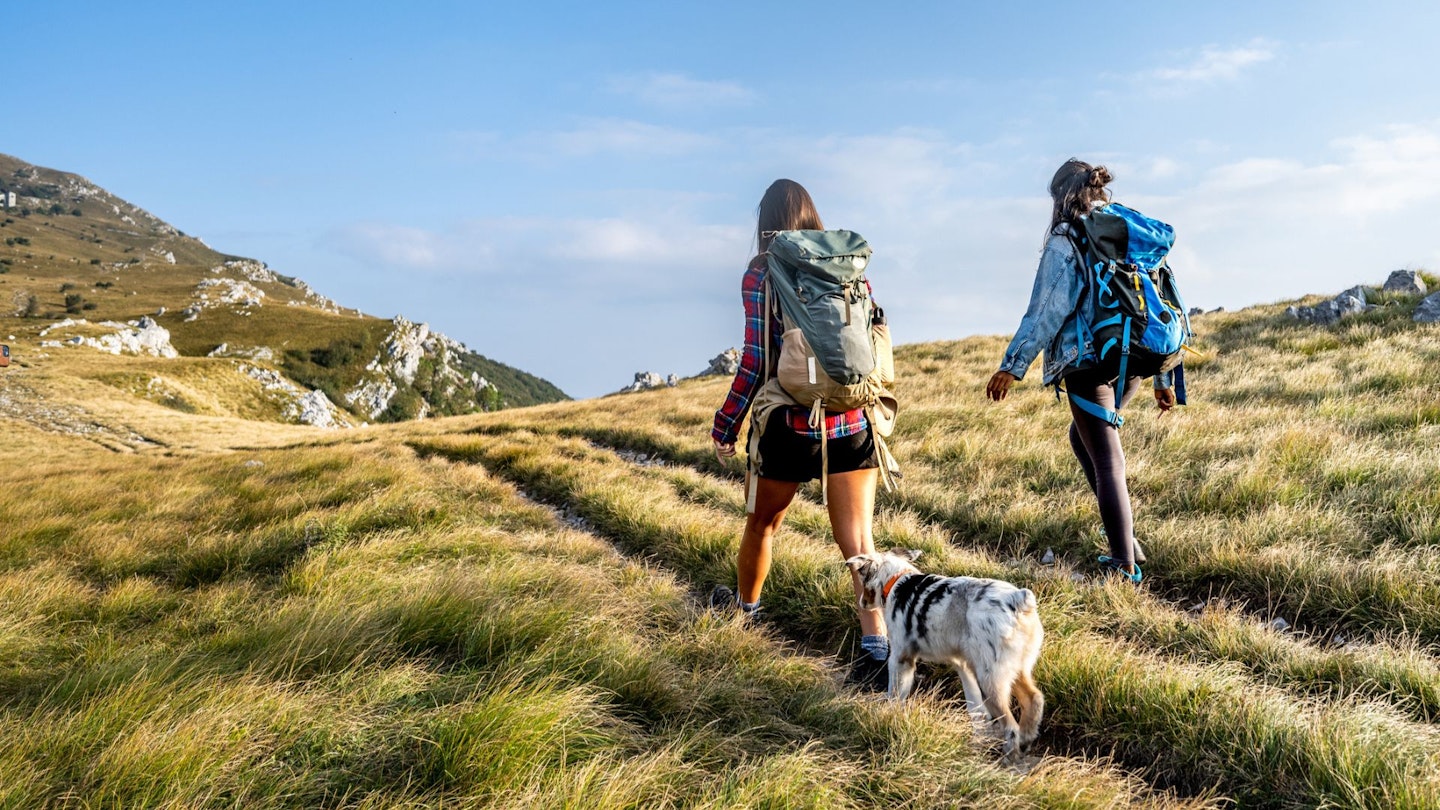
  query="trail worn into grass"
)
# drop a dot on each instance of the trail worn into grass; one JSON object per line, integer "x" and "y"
{"x": 1194, "y": 726}
{"x": 1394, "y": 670}
{"x": 352, "y": 626}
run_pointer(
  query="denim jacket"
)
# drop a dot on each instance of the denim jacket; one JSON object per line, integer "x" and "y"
{"x": 1057, "y": 301}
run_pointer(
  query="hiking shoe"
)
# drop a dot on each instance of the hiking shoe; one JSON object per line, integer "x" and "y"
{"x": 869, "y": 675}
{"x": 1118, "y": 567}
{"x": 722, "y": 598}
{"x": 725, "y": 600}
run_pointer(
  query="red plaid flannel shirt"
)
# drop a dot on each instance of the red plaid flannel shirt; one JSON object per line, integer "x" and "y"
{"x": 747, "y": 377}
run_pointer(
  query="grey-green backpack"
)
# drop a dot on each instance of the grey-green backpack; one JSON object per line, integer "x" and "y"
{"x": 835, "y": 350}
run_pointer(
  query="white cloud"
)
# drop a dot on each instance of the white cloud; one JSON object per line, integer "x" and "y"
{"x": 588, "y": 138}
{"x": 953, "y": 257}
{"x": 388, "y": 244}
{"x": 1213, "y": 64}
{"x": 1263, "y": 229}
{"x": 646, "y": 242}
{"x": 679, "y": 90}
{"x": 655, "y": 249}
{"x": 621, "y": 136}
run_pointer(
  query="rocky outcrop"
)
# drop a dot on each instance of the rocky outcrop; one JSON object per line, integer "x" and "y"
{"x": 415, "y": 357}
{"x": 1350, "y": 302}
{"x": 646, "y": 380}
{"x": 1429, "y": 309}
{"x": 253, "y": 353}
{"x": 371, "y": 397}
{"x": 725, "y": 363}
{"x": 1358, "y": 299}
{"x": 1407, "y": 282}
{"x": 228, "y": 291}
{"x": 142, "y": 337}
{"x": 296, "y": 403}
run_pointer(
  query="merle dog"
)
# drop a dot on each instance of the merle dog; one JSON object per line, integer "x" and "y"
{"x": 987, "y": 629}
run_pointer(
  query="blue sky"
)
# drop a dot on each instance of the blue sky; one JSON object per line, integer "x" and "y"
{"x": 570, "y": 188}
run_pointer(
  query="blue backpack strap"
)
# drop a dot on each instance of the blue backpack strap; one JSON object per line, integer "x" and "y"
{"x": 1105, "y": 415}
{"x": 1179, "y": 383}
{"x": 1124, "y": 361}
{"x": 1109, "y": 417}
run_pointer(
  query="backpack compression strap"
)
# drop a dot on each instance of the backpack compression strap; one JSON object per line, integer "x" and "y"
{"x": 1112, "y": 418}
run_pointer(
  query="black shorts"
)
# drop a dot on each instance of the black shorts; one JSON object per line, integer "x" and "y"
{"x": 789, "y": 456}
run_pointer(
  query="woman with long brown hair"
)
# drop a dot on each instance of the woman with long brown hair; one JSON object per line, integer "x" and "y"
{"x": 790, "y": 450}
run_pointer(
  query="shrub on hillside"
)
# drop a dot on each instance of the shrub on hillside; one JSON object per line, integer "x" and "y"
{"x": 406, "y": 405}
{"x": 25, "y": 304}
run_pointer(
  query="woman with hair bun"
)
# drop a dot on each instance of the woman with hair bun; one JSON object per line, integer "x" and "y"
{"x": 1057, "y": 303}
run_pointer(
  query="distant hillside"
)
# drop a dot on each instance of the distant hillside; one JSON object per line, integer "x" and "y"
{"x": 74, "y": 252}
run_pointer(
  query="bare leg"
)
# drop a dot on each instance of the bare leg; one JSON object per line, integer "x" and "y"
{"x": 772, "y": 498}
{"x": 852, "y": 514}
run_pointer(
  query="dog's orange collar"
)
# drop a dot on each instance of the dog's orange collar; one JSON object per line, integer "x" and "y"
{"x": 885, "y": 591}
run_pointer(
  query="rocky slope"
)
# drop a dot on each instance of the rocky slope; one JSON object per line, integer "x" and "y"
{"x": 83, "y": 271}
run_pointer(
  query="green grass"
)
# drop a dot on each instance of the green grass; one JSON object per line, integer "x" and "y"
{"x": 355, "y": 626}
{"x": 390, "y": 620}
{"x": 1192, "y": 725}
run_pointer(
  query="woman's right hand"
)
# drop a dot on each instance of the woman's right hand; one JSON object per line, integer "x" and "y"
{"x": 999, "y": 385}
{"x": 723, "y": 450}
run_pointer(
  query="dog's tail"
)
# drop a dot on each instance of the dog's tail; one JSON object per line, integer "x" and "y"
{"x": 1022, "y": 601}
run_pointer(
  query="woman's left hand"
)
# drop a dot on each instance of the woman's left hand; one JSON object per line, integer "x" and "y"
{"x": 1164, "y": 399}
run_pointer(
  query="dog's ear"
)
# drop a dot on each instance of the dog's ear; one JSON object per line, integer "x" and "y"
{"x": 858, "y": 563}
{"x": 911, "y": 554}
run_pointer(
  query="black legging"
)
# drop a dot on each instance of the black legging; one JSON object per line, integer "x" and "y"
{"x": 1097, "y": 446}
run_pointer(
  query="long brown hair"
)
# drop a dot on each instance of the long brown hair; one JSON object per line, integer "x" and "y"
{"x": 786, "y": 206}
{"x": 1076, "y": 188}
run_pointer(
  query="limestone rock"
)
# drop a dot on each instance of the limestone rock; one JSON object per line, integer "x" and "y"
{"x": 298, "y": 404}
{"x": 725, "y": 363}
{"x": 137, "y": 337}
{"x": 644, "y": 381}
{"x": 398, "y": 363}
{"x": 229, "y": 291}
{"x": 1408, "y": 282}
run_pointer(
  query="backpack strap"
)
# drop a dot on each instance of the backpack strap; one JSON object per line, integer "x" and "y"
{"x": 757, "y": 421}
{"x": 1106, "y": 415}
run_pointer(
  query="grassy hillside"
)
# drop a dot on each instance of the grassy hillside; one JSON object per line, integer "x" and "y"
{"x": 73, "y": 250}
{"x": 505, "y": 609}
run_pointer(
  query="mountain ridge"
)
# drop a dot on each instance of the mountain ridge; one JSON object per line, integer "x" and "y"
{"x": 95, "y": 271}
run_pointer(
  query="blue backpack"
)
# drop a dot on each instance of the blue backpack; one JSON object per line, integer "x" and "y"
{"x": 1140, "y": 326}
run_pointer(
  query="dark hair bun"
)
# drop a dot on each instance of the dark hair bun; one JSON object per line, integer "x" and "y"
{"x": 1100, "y": 177}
